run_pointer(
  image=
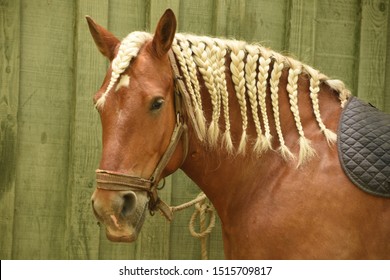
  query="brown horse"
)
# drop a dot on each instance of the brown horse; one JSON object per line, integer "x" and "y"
{"x": 237, "y": 118}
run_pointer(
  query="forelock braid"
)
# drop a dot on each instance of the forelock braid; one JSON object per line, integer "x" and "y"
{"x": 128, "y": 49}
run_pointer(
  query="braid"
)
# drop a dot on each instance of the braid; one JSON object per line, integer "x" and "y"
{"x": 224, "y": 94}
{"x": 237, "y": 68}
{"x": 315, "y": 76}
{"x": 264, "y": 62}
{"x": 274, "y": 82}
{"x": 199, "y": 117}
{"x": 212, "y": 52}
{"x": 203, "y": 63}
{"x": 340, "y": 87}
{"x": 305, "y": 150}
{"x": 128, "y": 49}
{"x": 250, "y": 77}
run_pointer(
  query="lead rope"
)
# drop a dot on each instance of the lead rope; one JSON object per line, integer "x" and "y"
{"x": 202, "y": 208}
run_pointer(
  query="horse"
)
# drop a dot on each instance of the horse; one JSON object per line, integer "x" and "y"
{"x": 257, "y": 131}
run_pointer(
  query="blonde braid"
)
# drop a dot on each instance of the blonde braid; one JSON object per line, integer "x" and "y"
{"x": 237, "y": 68}
{"x": 187, "y": 54}
{"x": 250, "y": 77}
{"x": 224, "y": 94}
{"x": 264, "y": 62}
{"x": 199, "y": 116}
{"x": 305, "y": 149}
{"x": 203, "y": 63}
{"x": 340, "y": 87}
{"x": 212, "y": 52}
{"x": 128, "y": 49}
{"x": 315, "y": 77}
{"x": 274, "y": 83}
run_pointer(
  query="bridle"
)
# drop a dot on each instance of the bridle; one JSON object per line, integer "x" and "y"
{"x": 115, "y": 181}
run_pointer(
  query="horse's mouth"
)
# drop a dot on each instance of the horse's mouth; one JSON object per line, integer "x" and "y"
{"x": 119, "y": 230}
{"x": 122, "y": 219}
{"x": 121, "y": 236}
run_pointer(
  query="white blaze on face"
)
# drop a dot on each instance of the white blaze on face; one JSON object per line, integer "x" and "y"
{"x": 123, "y": 82}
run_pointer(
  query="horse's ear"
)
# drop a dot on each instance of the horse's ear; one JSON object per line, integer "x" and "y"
{"x": 164, "y": 34}
{"x": 104, "y": 40}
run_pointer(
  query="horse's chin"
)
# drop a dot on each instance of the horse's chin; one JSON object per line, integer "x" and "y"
{"x": 126, "y": 236}
{"x": 125, "y": 230}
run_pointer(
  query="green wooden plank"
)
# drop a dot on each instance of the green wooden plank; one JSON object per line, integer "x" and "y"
{"x": 265, "y": 23}
{"x": 335, "y": 40}
{"x": 126, "y": 16}
{"x": 46, "y": 79}
{"x": 373, "y": 43}
{"x": 84, "y": 234}
{"x": 387, "y": 88}
{"x": 301, "y": 30}
{"x": 9, "y": 97}
{"x": 196, "y": 17}
{"x": 227, "y": 20}
{"x": 157, "y": 9}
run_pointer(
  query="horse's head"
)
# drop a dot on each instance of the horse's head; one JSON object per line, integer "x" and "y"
{"x": 136, "y": 104}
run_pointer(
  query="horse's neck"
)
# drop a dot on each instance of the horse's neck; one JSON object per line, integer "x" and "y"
{"x": 222, "y": 174}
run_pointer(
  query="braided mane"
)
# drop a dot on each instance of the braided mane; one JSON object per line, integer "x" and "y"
{"x": 249, "y": 68}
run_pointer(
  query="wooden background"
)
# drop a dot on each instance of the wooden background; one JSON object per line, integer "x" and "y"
{"x": 50, "y": 133}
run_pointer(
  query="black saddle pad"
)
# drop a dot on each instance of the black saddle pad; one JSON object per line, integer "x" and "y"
{"x": 364, "y": 146}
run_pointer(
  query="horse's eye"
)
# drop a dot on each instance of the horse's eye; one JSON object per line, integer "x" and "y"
{"x": 157, "y": 104}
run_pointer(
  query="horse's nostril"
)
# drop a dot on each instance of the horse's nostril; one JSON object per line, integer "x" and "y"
{"x": 129, "y": 204}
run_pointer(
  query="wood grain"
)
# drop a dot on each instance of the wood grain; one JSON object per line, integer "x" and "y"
{"x": 9, "y": 98}
{"x": 373, "y": 43}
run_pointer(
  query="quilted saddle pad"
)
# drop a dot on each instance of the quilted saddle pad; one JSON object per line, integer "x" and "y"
{"x": 364, "y": 146}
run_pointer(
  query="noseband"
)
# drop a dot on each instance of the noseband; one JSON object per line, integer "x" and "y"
{"x": 115, "y": 181}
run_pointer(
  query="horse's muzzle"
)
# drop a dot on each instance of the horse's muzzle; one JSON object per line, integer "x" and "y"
{"x": 121, "y": 212}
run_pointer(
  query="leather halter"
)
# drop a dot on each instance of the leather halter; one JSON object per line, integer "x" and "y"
{"x": 115, "y": 181}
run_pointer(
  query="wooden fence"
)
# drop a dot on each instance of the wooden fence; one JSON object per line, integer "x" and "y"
{"x": 50, "y": 135}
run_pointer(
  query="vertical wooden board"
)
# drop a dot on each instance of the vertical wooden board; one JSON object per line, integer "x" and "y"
{"x": 227, "y": 20}
{"x": 301, "y": 30}
{"x": 126, "y": 16}
{"x": 196, "y": 17}
{"x": 90, "y": 65}
{"x": 220, "y": 18}
{"x": 336, "y": 57}
{"x": 373, "y": 44}
{"x": 157, "y": 9}
{"x": 46, "y": 80}
{"x": 264, "y": 22}
{"x": 387, "y": 88}
{"x": 9, "y": 96}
